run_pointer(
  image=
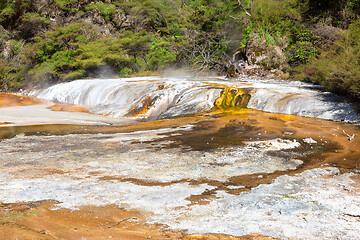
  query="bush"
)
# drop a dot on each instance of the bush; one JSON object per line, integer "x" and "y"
{"x": 32, "y": 24}
{"x": 65, "y": 4}
{"x": 277, "y": 18}
{"x": 11, "y": 12}
{"x": 338, "y": 68}
{"x": 7, "y": 10}
{"x": 3, "y": 76}
{"x": 160, "y": 55}
{"x": 101, "y": 52}
{"x": 305, "y": 46}
{"x": 107, "y": 10}
{"x": 63, "y": 39}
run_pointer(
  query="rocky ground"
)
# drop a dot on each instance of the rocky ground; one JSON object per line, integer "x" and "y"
{"x": 242, "y": 173}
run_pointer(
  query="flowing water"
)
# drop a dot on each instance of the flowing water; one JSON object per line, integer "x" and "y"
{"x": 198, "y": 155}
{"x": 151, "y": 98}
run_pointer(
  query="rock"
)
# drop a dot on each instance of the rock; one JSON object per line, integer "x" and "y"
{"x": 93, "y": 17}
{"x": 326, "y": 33}
{"x": 310, "y": 141}
{"x": 119, "y": 18}
{"x": 263, "y": 59}
{"x": 47, "y": 9}
{"x": 231, "y": 72}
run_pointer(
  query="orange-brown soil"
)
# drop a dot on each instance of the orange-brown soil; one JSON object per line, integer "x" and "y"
{"x": 69, "y": 108}
{"x": 12, "y": 100}
{"x": 36, "y": 220}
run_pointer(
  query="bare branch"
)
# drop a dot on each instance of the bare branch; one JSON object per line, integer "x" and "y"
{"x": 122, "y": 220}
{"x": 349, "y": 137}
{"x": 234, "y": 56}
{"x": 242, "y": 6}
{"x": 240, "y": 19}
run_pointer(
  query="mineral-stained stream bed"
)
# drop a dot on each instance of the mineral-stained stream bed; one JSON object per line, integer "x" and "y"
{"x": 218, "y": 169}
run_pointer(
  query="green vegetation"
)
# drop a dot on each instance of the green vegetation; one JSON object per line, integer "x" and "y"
{"x": 312, "y": 40}
{"x": 17, "y": 215}
{"x": 319, "y": 38}
{"x": 73, "y": 39}
{"x": 105, "y": 9}
{"x": 64, "y": 4}
{"x": 304, "y": 48}
{"x": 338, "y": 68}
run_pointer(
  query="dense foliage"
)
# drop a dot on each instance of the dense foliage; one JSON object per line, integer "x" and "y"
{"x": 69, "y": 39}
{"x": 338, "y": 68}
{"x": 60, "y": 40}
{"x": 319, "y": 37}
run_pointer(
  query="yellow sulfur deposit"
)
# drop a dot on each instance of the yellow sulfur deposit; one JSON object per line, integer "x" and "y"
{"x": 232, "y": 97}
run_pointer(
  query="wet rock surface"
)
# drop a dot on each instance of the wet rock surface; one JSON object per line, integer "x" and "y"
{"x": 256, "y": 182}
{"x": 150, "y": 98}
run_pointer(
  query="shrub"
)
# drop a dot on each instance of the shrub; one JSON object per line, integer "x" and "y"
{"x": 3, "y": 76}
{"x": 107, "y": 10}
{"x": 304, "y": 46}
{"x": 338, "y": 68}
{"x": 101, "y": 52}
{"x": 65, "y": 4}
{"x": 7, "y": 10}
{"x": 64, "y": 38}
{"x": 160, "y": 55}
{"x": 32, "y": 24}
{"x": 276, "y": 17}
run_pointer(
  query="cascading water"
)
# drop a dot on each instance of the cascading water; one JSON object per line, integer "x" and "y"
{"x": 151, "y": 98}
{"x": 300, "y": 99}
{"x": 146, "y": 98}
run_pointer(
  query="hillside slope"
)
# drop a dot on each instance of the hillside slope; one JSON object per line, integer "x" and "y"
{"x": 48, "y": 41}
